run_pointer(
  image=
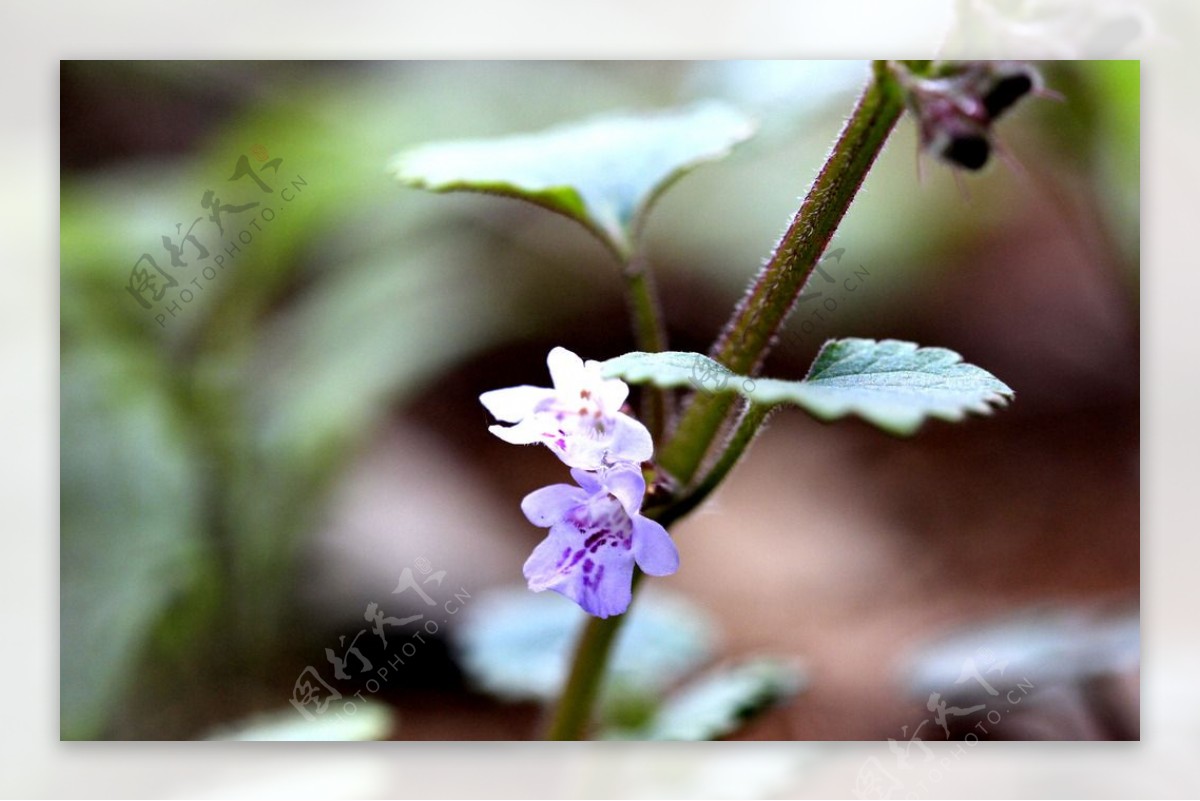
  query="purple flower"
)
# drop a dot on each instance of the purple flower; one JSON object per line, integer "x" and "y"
{"x": 597, "y": 533}
{"x": 579, "y": 419}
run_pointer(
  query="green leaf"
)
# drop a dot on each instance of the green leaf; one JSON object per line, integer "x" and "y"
{"x": 670, "y": 369}
{"x": 518, "y": 645}
{"x": 720, "y": 701}
{"x": 605, "y": 172}
{"x": 891, "y": 384}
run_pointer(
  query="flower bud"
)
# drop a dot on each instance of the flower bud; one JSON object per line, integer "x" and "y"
{"x": 956, "y": 108}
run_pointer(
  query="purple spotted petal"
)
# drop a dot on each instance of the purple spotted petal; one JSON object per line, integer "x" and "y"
{"x": 598, "y": 577}
{"x": 596, "y": 534}
{"x": 652, "y": 548}
{"x": 549, "y": 505}
{"x": 542, "y": 568}
{"x": 513, "y": 404}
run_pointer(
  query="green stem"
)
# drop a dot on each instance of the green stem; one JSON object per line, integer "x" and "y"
{"x": 742, "y": 346}
{"x": 748, "y": 336}
{"x": 574, "y": 712}
{"x": 650, "y": 334}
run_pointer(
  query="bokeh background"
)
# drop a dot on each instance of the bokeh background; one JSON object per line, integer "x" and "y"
{"x": 238, "y": 482}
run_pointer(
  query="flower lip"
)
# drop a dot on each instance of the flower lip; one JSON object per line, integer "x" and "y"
{"x": 597, "y": 534}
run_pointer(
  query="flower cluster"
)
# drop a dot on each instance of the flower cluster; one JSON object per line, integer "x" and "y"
{"x": 597, "y": 530}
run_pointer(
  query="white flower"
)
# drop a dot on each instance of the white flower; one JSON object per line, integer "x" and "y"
{"x": 579, "y": 419}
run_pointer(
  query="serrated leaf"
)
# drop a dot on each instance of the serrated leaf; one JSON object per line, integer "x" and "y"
{"x": 721, "y": 701}
{"x": 518, "y": 645}
{"x": 892, "y": 384}
{"x": 604, "y": 172}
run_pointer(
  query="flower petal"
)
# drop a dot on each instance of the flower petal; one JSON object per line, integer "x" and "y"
{"x": 601, "y": 583}
{"x": 512, "y": 404}
{"x": 566, "y": 370}
{"x": 613, "y": 391}
{"x": 653, "y": 548}
{"x": 549, "y": 505}
{"x": 526, "y": 432}
{"x": 631, "y": 441}
{"x": 542, "y": 567}
{"x": 580, "y": 452}
{"x": 627, "y": 485}
{"x": 588, "y": 480}
{"x": 608, "y": 591}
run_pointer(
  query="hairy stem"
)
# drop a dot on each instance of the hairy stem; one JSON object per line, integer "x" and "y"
{"x": 574, "y": 711}
{"x": 650, "y": 333}
{"x": 750, "y": 332}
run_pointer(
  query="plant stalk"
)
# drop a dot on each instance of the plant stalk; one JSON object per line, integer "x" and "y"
{"x": 574, "y": 711}
{"x": 741, "y": 347}
{"x": 650, "y": 334}
{"x": 751, "y": 330}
